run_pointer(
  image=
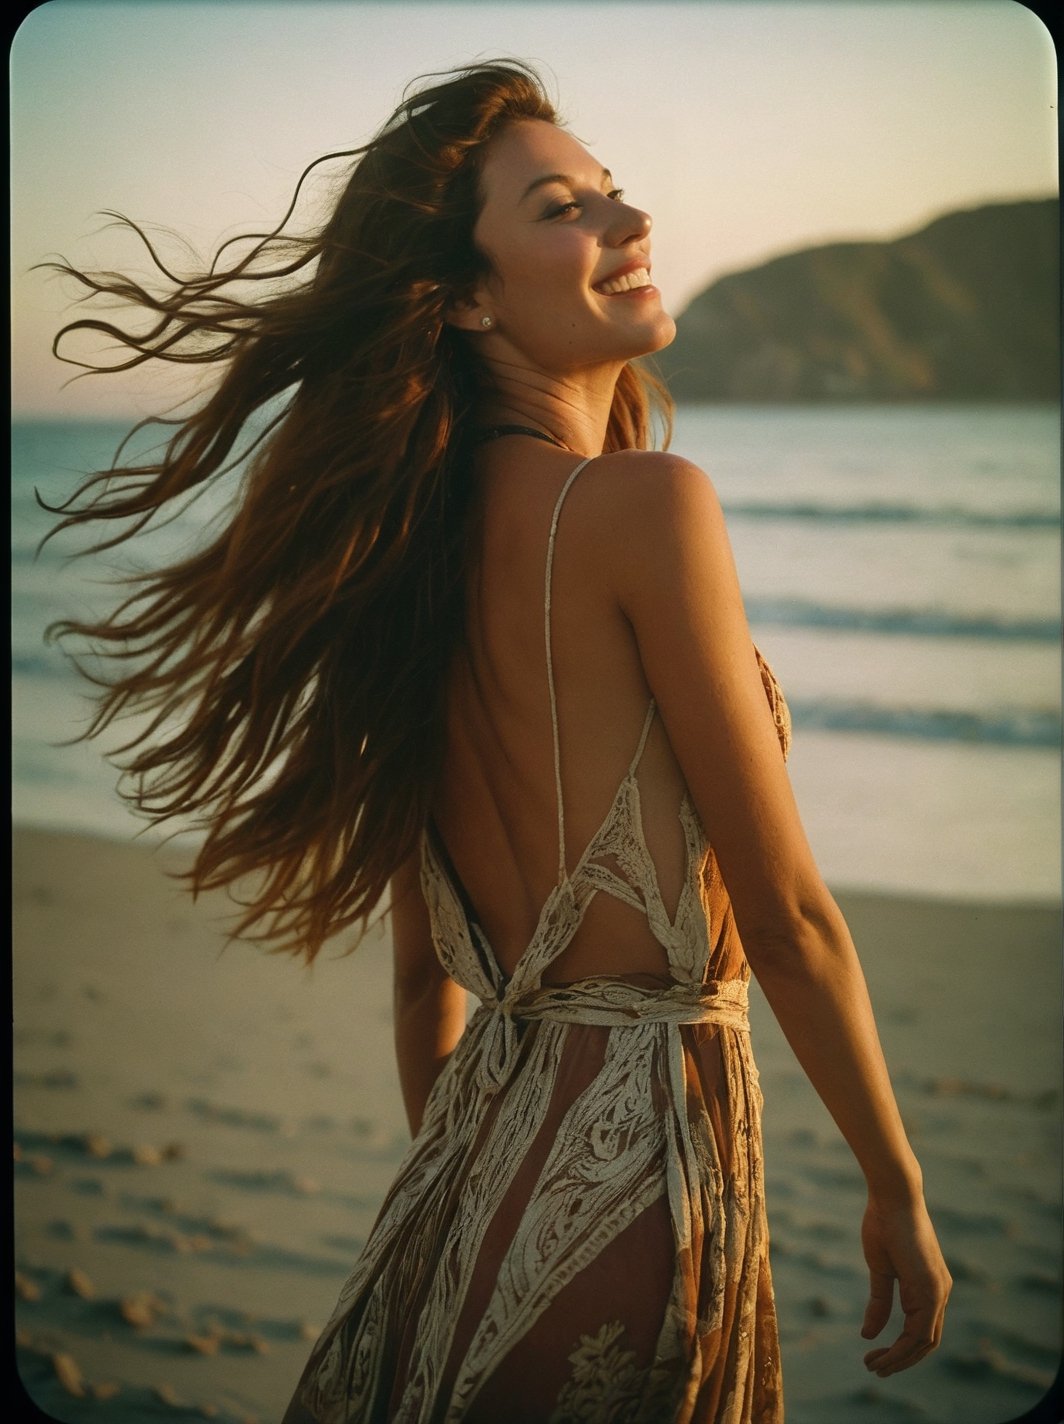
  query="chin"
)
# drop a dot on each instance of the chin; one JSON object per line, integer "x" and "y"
{"x": 668, "y": 331}
{"x": 659, "y": 334}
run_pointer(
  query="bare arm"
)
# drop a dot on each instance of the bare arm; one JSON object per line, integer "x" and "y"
{"x": 681, "y": 596}
{"x": 429, "y": 1007}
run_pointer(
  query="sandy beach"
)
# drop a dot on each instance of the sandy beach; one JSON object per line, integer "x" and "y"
{"x": 202, "y": 1140}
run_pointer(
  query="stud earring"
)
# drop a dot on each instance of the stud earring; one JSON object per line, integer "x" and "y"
{"x": 485, "y": 322}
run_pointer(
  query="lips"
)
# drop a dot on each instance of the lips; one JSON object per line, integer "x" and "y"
{"x": 628, "y": 279}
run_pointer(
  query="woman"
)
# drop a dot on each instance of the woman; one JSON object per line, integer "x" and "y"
{"x": 466, "y": 634}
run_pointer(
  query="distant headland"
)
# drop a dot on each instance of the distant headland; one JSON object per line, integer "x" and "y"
{"x": 967, "y": 308}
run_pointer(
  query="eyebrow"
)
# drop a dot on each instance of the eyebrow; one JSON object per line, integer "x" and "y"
{"x": 607, "y": 177}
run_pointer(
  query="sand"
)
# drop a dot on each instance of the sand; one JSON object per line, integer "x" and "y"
{"x": 202, "y": 1140}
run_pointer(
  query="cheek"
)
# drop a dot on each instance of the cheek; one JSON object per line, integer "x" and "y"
{"x": 546, "y": 273}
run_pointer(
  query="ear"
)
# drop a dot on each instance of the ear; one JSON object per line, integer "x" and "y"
{"x": 472, "y": 313}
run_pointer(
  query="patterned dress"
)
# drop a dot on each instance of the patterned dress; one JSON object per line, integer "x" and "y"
{"x": 577, "y": 1234}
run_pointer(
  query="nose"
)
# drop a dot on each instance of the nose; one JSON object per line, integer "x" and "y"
{"x": 627, "y": 224}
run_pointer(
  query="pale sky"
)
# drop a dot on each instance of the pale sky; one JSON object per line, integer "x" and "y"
{"x": 745, "y": 127}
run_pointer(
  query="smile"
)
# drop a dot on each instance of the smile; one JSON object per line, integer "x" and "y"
{"x": 628, "y": 282}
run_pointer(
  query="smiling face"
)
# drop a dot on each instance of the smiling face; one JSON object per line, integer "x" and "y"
{"x": 570, "y": 284}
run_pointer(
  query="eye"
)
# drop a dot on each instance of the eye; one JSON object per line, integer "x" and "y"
{"x": 561, "y": 210}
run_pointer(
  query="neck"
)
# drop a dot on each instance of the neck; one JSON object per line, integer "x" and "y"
{"x": 575, "y": 411}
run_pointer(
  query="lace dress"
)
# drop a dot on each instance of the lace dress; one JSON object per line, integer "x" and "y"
{"x": 577, "y": 1234}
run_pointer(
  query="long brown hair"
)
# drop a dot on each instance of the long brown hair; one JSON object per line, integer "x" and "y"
{"x": 294, "y": 667}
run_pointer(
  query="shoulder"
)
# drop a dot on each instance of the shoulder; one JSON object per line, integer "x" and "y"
{"x": 649, "y": 482}
{"x": 652, "y": 502}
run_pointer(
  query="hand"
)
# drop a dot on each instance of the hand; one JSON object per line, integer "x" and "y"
{"x": 900, "y": 1245}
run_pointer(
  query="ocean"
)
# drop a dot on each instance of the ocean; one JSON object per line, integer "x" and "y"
{"x": 901, "y": 570}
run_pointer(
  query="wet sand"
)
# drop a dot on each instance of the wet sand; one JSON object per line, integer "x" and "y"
{"x": 202, "y": 1140}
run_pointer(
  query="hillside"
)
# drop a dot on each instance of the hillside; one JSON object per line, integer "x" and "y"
{"x": 965, "y": 309}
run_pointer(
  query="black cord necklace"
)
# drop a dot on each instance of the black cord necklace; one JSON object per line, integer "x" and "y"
{"x": 494, "y": 432}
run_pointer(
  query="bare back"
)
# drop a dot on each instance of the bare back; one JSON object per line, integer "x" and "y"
{"x": 497, "y": 807}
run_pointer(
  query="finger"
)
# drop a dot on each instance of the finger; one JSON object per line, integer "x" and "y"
{"x": 921, "y": 1333}
{"x": 885, "y": 1371}
{"x": 905, "y": 1362}
{"x": 917, "y": 1338}
{"x": 940, "y": 1323}
{"x": 908, "y": 1349}
{"x": 898, "y": 1355}
{"x": 880, "y": 1303}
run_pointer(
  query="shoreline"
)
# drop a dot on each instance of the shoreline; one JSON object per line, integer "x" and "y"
{"x": 155, "y": 845}
{"x": 203, "y": 1139}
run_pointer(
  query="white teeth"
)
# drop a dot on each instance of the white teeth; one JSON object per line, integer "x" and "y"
{"x": 639, "y": 278}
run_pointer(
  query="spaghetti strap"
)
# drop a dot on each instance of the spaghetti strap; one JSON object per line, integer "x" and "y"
{"x": 550, "y": 669}
{"x": 642, "y": 738}
{"x": 562, "y": 871}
